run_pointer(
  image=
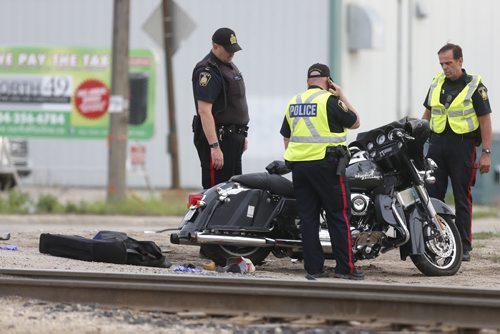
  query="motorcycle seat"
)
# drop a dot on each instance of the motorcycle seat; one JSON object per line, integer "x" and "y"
{"x": 275, "y": 184}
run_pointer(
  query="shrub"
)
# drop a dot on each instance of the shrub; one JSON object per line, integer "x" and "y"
{"x": 48, "y": 204}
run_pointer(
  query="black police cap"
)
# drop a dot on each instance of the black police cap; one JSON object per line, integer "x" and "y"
{"x": 318, "y": 70}
{"x": 227, "y": 38}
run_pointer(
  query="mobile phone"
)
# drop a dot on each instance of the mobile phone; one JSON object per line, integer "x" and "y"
{"x": 330, "y": 84}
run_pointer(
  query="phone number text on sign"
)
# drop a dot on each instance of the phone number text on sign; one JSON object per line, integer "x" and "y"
{"x": 29, "y": 88}
{"x": 28, "y": 118}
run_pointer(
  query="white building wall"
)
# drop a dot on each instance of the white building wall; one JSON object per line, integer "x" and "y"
{"x": 280, "y": 39}
{"x": 369, "y": 75}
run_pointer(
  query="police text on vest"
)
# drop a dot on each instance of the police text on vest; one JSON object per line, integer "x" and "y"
{"x": 303, "y": 110}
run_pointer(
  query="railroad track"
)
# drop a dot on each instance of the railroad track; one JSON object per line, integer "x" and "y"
{"x": 331, "y": 300}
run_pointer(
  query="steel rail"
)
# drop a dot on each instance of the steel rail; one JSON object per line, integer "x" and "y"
{"x": 335, "y": 300}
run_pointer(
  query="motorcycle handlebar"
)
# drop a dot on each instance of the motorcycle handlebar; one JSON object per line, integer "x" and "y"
{"x": 399, "y": 133}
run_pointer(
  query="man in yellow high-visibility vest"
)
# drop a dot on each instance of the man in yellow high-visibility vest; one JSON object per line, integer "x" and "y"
{"x": 314, "y": 131}
{"x": 458, "y": 109}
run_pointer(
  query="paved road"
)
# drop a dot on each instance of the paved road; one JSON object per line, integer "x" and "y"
{"x": 486, "y": 225}
{"x": 61, "y": 223}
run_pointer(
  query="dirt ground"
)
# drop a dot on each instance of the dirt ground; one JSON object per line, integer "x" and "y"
{"x": 25, "y": 232}
{"x": 27, "y": 316}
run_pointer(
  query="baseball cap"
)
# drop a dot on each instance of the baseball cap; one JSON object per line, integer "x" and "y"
{"x": 318, "y": 70}
{"x": 227, "y": 38}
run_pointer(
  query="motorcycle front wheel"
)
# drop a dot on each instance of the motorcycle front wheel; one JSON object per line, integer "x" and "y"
{"x": 220, "y": 253}
{"x": 443, "y": 255}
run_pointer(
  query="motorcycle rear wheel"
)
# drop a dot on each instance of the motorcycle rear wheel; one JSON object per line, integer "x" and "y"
{"x": 442, "y": 257}
{"x": 220, "y": 253}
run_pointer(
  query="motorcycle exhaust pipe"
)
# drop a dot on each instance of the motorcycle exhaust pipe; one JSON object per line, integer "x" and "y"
{"x": 200, "y": 238}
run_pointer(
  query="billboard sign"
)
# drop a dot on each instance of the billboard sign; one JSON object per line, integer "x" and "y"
{"x": 66, "y": 92}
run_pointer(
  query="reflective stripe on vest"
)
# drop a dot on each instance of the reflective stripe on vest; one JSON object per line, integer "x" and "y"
{"x": 310, "y": 135}
{"x": 460, "y": 113}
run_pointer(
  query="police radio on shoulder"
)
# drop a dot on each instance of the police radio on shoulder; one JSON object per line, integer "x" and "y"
{"x": 214, "y": 145}
{"x": 487, "y": 150}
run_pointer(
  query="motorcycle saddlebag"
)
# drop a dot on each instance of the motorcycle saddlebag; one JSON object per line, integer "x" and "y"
{"x": 251, "y": 210}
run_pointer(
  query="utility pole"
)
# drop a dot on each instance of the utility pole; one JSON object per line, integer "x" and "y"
{"x": 118, "y": 125}
{"x": 172, "y": 135}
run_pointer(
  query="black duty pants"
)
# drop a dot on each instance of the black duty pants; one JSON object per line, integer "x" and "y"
{"x": 232, "y": 148}
{"x": 455, "y": 156}
{"x": 317, "y": 186}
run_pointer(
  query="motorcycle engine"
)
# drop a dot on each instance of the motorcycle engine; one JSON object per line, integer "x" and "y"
{"x": 367, "y": 243}
{"x": 359, "y": 204}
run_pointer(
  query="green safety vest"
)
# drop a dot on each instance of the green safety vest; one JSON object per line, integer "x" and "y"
{"x": 460, "y": 113}
{"x": 307, "y": 116}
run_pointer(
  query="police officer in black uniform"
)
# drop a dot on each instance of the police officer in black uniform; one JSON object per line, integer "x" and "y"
{"x": 220, "y": 125}
{"x": 314, "y": 132}
{"x": 458, "y": 108}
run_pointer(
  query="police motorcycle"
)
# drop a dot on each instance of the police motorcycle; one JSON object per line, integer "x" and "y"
{"x": 254, "y": 214}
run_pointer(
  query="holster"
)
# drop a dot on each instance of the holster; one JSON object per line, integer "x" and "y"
{"x": 342, "y": 165}
{"x": 339, "y": 155}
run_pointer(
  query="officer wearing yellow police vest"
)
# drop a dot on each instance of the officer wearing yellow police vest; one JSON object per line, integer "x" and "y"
{"x": 458, "y": 108}
{"x": 314, "y": 133}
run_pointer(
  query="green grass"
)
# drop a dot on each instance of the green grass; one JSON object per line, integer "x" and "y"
{"x": 170, "y": 203}
{"x": 14, "y": 202}
{"x": 478, "y": 211}
{"x": 484, "y": 213}
{"x": 485, "y": 235}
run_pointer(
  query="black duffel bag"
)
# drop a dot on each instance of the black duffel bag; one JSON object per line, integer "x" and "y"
{"x": 106, "y": 246}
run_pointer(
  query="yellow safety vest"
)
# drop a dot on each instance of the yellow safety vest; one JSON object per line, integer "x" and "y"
{"x": 460, "y": 113}
{"x": 307, "y": 116}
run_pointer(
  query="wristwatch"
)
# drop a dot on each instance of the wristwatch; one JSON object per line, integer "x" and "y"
{"x": 486, "y": 150}
{"x": 214, "y": 145}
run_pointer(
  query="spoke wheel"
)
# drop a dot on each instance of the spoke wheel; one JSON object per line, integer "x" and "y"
{"x": 443, "y": 253}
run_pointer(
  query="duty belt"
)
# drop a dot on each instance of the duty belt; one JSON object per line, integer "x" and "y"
{"x": 231, "y": 129}
{"x": 338, "y": 150}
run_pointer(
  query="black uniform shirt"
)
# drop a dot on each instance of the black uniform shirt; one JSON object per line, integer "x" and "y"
{"x": 450, "y": 90}
{"x": 338, "y": 118}
{"x": 222, "y": 85}
{"x": 207, "y": 81}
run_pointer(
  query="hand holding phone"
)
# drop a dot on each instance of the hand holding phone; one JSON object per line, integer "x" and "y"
{"x": 331, "y": 87}
{"x": 330, "y": 84}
